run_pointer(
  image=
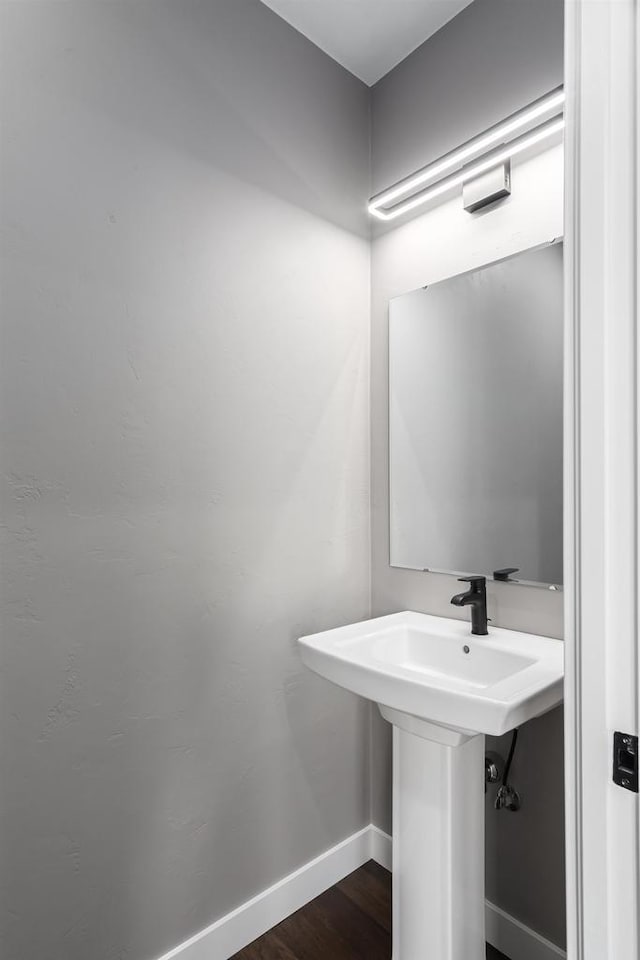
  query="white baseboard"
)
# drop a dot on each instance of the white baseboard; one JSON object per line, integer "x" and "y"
{"x": 240, "y": 927}
{"x": 381, "y": 847}
{"x": 512, "y": 938}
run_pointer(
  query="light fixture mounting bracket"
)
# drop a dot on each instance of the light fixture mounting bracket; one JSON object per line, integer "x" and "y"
{"x": 487, "y": 188}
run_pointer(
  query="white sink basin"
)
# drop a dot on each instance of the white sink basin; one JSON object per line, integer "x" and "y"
{"x": 442, "y": 689}
{"x": 434, "y": 669}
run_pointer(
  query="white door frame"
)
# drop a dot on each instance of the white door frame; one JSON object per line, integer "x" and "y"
{"x": 601, "y": 473}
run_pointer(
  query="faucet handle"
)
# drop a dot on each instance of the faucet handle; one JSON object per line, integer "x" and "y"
{"x": 476, "y": 578}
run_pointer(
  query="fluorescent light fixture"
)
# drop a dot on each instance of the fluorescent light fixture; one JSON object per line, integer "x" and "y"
{"x": 551, "y": 103}
{"x": 473, "y": 170}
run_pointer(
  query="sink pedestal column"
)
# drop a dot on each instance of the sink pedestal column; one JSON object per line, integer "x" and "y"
{"x": 438, "y": 841}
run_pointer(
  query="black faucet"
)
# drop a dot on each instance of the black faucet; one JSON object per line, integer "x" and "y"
{"x": 476, "y": 598}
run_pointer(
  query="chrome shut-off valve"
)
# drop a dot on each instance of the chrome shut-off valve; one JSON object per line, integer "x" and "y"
{"x": 491, "y": 772}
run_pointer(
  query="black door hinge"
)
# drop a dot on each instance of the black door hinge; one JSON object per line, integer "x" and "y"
{"x": 625, "y": 761}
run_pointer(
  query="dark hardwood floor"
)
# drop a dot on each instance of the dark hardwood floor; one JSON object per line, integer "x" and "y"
{"x": 351, "y": 921}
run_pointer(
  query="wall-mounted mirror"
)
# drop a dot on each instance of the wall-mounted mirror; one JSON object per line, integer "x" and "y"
{"x": 476, "y": 401}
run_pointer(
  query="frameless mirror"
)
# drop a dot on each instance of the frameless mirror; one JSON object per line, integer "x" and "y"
{"x": 475, "y": 413}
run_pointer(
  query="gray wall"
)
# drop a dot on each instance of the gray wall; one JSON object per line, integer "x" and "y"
{"x": 491, "y": 59}
{"x": 184, "y": 398}
{"x": 487, "y": 62}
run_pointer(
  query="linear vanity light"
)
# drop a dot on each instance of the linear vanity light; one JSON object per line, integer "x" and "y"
{"x": 473, "y": 170}
{"x": 550, "y": 104}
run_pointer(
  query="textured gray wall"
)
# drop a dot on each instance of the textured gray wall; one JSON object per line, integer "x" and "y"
{"x": 491, "y": 59}
{"x": 184, "y": 398}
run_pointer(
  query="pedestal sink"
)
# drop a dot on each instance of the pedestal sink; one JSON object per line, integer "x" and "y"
{"x": 443, "y": 690}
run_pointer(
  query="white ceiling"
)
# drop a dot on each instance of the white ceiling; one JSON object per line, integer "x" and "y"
{"x": 368, "y": 37}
